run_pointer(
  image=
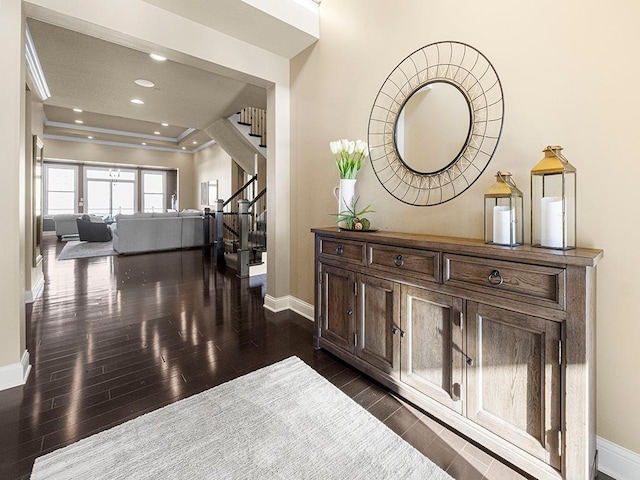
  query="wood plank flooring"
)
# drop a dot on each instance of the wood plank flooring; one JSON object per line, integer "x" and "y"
{"x": 112, "y": 338}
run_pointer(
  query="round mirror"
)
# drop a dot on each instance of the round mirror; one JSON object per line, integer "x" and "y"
{"x": 435, "y": 123}
{"x": 432, "y": 127}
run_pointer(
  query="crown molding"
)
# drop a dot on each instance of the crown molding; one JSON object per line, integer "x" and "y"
{"x": 66, "y": 138}
{"x": 108, "y": 131}
{"x": 203, "y": 146}
{"x": 185, "y": 134}
{"x": 35, "y": 68}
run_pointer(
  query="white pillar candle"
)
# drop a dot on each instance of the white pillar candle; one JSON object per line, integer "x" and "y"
{"x": 501, "y": 224}
{"x": 551, "y": 226}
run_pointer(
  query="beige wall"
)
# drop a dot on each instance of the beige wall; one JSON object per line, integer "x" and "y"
{"x": 12, "y": 184}
{"x": 567, "y": 70}
{"x": 188, "y": 191}
{"x": 213, "y": 163}
{"x": 33, "y": 126}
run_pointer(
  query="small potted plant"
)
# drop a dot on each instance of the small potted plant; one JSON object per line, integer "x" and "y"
{"x": 352, "y": 219}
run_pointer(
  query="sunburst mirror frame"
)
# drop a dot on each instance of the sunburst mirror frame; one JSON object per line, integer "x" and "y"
{"x": 472, "y": 74}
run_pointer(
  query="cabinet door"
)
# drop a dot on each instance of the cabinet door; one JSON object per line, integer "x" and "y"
{"x": 337, "y": 300}
{"x": 513, "y": 387}
{"x": 431, "y": 345}
{"x": 378, "y": 323}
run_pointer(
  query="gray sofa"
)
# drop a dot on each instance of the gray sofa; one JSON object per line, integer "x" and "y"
{"x": 149, "y": 232}
{"x": 66, "y": 224}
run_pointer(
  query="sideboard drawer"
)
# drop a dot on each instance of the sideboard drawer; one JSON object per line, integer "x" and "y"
{"x": 534, "y": 284}
{"x": 421, "y": 264}
{"x": 349, "y": 251}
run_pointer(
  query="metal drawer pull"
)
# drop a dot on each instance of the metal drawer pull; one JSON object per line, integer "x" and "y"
{"x": 495, "y": 278}
{"x": 399, "y": 261}
{"x": 349, "y": 312}
{"x": 339, "y": 250}
{"x": 395, "y": 330}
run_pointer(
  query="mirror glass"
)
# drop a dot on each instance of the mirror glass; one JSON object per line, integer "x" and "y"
{"x": 432, "y": 127}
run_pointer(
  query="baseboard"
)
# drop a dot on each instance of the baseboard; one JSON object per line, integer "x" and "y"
{"x": 15, "y": 374}
{"x": 36, "y": 290}
{"x": 289, "y": 302}
{"x": 301, "y": 308}
{"x": 617, "y": 461}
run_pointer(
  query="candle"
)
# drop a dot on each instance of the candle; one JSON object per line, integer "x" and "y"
{"x": 501, "y": 223}
{"x": 552, "y": 222}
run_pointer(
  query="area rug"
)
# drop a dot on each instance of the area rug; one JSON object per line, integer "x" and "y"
{"x": 281, "y": 422}
{"x": 77, "y": 249}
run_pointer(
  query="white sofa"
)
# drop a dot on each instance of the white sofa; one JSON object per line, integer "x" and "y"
{"x": 149, "y": 232}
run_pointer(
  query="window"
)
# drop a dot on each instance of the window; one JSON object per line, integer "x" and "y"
{"x": 153, "y": 191}
{"x": 109, "y": 191}
{"x": 61, "y": 189}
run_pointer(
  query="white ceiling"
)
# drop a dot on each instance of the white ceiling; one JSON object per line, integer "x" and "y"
{"x": 98, "y": 77}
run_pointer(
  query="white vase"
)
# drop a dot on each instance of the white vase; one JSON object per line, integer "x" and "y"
{"x": 345, "y": 194}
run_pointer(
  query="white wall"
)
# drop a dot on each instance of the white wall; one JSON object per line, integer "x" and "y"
{"x": 568, "y": 72}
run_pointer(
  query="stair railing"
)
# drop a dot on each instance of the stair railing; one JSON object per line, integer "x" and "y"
{"x": 243, "y": 232}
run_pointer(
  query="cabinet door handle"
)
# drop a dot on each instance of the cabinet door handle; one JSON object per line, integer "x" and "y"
{"x": 339, "y": 250}
{"x": 349, "y": 312}
{"x": 399, "y": 261}
{"x": 495, "y": 278}
{"x": 395, "y": 330}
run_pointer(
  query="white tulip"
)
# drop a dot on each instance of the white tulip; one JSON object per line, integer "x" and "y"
{"x": 345, "y": 144}
{"x": 361, "y": 147}
{"x": 334, "y": 146}
{"x": 352, "y": 147}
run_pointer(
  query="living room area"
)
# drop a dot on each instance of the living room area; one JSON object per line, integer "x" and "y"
{"x": 161, "y": 154}
{"x": 326, "y": 90}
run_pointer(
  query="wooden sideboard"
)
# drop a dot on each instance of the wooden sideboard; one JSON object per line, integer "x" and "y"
{"x": 497, "y": 342}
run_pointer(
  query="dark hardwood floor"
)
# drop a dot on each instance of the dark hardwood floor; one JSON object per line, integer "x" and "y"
{"x": 112, "y": 338}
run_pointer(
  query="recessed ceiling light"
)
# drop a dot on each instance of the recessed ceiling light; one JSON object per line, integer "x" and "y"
{"x": 90, "y": 137}
{"x": 194, "y": 142}
{"x": 137, "y": 101}
{"x": 144, "y": 143}
{"x": 79, "y": 121}
{"x": 184, "y": 148}
{"x": 165, "y": 124}
{"x": 144, "y": 83}
{"x": 157, "y": 57}
{"x": 77, "y": 110}
{"x": 156, "y": 133}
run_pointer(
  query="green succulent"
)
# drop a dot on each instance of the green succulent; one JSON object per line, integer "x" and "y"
{"x": 354, "y": 218}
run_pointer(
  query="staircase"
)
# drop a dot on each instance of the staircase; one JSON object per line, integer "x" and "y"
{"x": 256, "y": 120}
{"x": 240, "y": 230}
{"x": 243, "y": 136}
